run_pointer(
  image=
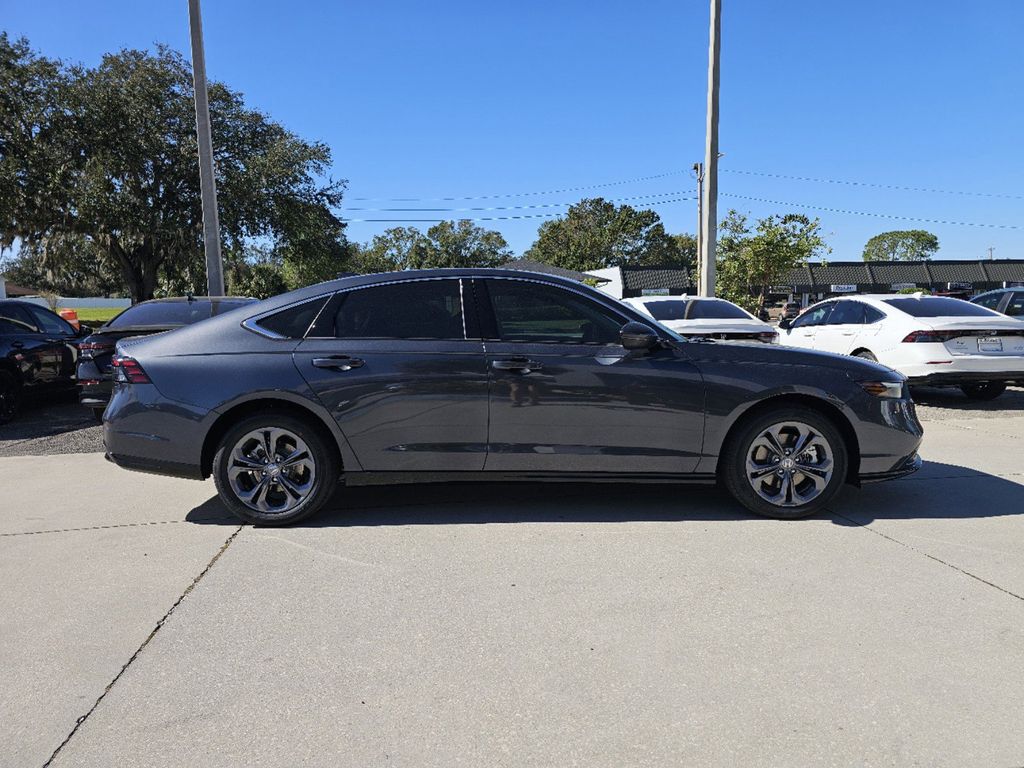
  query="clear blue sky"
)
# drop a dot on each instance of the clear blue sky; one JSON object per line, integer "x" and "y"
{"x": 452, "y": 99}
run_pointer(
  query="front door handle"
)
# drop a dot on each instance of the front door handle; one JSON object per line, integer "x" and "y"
{"x": 521, "y": 364}
{"x": 338, "y": 362}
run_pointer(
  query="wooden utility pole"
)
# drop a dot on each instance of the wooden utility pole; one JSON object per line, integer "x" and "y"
{"x": 207, "y": 180}
{"x": 709, "y": 203}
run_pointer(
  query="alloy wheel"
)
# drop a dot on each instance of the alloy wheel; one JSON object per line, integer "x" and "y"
{"x": 271, "y": 470}
{"x": 789, "y": 464}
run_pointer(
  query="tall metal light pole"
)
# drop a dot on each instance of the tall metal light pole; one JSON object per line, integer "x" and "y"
{"x": 709, "y": 203}
{"x": 207, "y": 180}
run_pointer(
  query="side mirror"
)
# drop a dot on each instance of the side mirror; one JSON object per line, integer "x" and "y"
{"x": 638, "y": 336}
{"x": 785, "y": 324}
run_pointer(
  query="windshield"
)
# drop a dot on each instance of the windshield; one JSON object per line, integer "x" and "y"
{"x": 939, "y": 306}
{"x": 667, "y": 310}
{"x": 711, "y": 309}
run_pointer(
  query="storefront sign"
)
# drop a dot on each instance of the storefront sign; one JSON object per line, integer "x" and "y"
{"x": 844, "y": 288}
{"x": 654, "y": 292}
{"x": 903, "y": 286}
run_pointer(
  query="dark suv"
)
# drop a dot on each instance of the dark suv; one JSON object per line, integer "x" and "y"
{"x": 1009, "y": 301}
{"x": 38, "y": 351}
{"x": 142, "y": 319}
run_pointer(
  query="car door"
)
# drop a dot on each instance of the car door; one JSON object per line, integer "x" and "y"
{"x": 392, "y": 364}
{"x": 26, "y": 347}
{"x": 804, "y": 329}
{"x": 61, "y": 355}
{"x": 567, "y": 397}
{"x": 842, "y": 327}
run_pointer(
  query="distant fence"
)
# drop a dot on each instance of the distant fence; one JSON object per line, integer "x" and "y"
{"x": 73, "y": 303}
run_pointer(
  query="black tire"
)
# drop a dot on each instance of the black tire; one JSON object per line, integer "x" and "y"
{"x": 985, "y": 390}
{"x": 743, "y": 442}
{"x": 326, "y": 470}
{"x": 97, "y": 415}
{"x": 866, "y": 355}
{"x": 10, "y": 397}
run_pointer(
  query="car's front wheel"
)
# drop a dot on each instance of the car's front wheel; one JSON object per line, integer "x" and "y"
{"x": 786, "y": 463}
{"x": 10, "y": 397}
{"x": 274, "y": 470}
{"x": 986, "y": 390}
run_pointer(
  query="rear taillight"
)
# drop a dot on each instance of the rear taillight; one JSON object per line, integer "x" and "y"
{"x": 128, "y": 371}
{"x": 91, "y": 349}
{"x": 930, "y": 337}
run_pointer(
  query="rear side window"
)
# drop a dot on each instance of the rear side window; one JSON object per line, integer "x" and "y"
{"x": 15, "y": 320}
{"x": 422, "y": 309}
{"x": 872, "y": 315}
{"x": 49, "y": 322}
{"x": 666, "y": 310}
{"x": 292, "y": 323}
{"x": 541, "y": 314}
{"x": 847, "y": 313}
{"x": 709, "y": 309}
{"x": 939, "y": 306}
{"x": 991, "y": 301}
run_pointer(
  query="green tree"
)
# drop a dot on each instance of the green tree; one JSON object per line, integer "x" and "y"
{"x": 901, "y": 245}
{"x": 596, "y": 233}
{"x": 107, "y": 156}
{"x": 394, "y": 249}
{"x": 751, "y": 260}
{"x": 462, "y": 244}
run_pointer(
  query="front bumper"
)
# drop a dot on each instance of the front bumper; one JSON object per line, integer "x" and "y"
{"x": 907, "y": 466}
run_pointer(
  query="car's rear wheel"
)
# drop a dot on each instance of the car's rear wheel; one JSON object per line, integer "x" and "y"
{"x": 275, "y": 469}
{"x": 986, "y": 390}
{"x": 10, "y": 397}
{"x": 786, "y": 463}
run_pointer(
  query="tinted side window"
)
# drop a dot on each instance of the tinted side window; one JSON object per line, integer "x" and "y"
{"x": 816, "y": 316}
{"x": 49, "y": 322}
{"x": 1016, "y": 306}
{"x": 872, "y": 315}
{"x": 666, "y": 310}
{"x": 423, "y": 309}
{"x": 293, "y": 322}
{"x": 532, "y": 313}
{"x": 15, "y": 320}
{"x": 991, "y": 301}
{"x": 847, "y": 313}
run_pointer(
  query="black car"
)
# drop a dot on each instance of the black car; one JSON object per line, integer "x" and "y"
{"x": 481, "y": 374}
{"x": 38, "y": 351}
{"x": 1009, "y": 301}
{"x": 142, "y": 319}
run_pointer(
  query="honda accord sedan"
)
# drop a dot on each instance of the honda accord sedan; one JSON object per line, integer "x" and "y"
{"x": 446, "y": 375}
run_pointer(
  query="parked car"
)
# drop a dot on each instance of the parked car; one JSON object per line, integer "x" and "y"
{"x": 476, "y": 374}
{"x": 708, "y": 318}
{"x": 1006, "y": 301}
{"x": 38, "y": 351}
{"x": 142, "y": 319}
{"x": 791, "y": 309}
{"x": 929, "y": 339}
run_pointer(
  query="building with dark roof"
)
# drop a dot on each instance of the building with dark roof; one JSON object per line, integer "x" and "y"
{"x": 627, "y": 282}
{"x": 547, "y": 269}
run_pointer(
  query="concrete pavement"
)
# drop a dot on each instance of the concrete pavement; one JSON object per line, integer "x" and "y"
{"x": 517, "y": 625}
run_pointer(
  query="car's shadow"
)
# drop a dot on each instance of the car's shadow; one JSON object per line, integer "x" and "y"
{"x": 41, "y": 418}
{"x": 940, "y": 491}
{"x": 952, "y": 399}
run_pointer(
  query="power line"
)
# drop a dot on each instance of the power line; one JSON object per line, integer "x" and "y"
{"x": 515, "y": 194}
{"x": 492, "y": 218}
{"x": 874, "y": 185}
{"x": 515, "y": 207}
{"x": 868, "y": 213}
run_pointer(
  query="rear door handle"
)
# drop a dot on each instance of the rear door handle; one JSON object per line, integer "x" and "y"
{"x": 521, "y": 364}
{"x": 338, "y": 362}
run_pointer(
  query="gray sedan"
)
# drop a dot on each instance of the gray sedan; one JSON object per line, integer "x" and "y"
{"x": 448, "y": 375}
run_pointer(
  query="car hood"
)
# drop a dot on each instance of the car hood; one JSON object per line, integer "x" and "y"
{"x": 770, "y": 354}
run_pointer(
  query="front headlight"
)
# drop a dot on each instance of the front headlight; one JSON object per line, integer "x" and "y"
{"x": 892, "y": 390}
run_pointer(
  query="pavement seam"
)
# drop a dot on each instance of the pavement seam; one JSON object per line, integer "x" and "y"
{"x": 115, "y": 525}
{"x": 152, "y": 634}
{"x": 912, "y": 548}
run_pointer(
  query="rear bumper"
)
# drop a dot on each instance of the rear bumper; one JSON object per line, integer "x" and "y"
{"x": 155, "y": 466}
{"x": 967, "y": 377}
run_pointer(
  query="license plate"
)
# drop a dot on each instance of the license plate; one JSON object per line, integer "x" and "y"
{"x": 990, "y": 344}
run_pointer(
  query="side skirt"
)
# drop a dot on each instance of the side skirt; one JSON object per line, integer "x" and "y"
{"x": 398, "y": 478}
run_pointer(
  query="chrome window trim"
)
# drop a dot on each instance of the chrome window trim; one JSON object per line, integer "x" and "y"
{"x": 252, "y": 323}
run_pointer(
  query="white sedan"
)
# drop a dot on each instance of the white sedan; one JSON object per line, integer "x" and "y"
{"x": 709, "y": 318}
{"x": 929, "y": 339}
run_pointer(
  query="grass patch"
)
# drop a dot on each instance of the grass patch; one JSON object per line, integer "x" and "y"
{"x": 95, "y": 315}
